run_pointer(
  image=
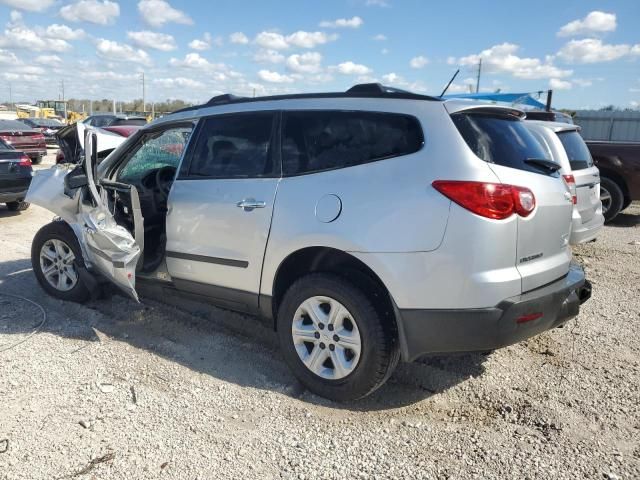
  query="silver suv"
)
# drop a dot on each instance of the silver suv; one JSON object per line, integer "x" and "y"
{"x": 371, "y": 226}
{"x": 565, "y": 146}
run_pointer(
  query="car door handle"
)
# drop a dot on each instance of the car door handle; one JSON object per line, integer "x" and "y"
{"x": 249, "y": 204}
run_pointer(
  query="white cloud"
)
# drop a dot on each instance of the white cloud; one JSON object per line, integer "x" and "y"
{"x": 19, "y": 37}
{"x": 111, "y": 76}
{"x": 268, "y": 56}
{"x": 158, "y": 12}
{"x": 418, "y": 62}
{"x": 121, "y": 52}
{"x": 592, "y": 50}
{"x": 181, "y": 82}
{"x": 201, "y": 44}
{"x": 353, "y": 22}
{"x": 582, "y": 82}
{"x": 274, "y": 77}
{"x": 351, "y": 68}
{"x": 595, "y": 22}
{"x": 557, "y": 84}
{"x": 50, "y": 60}
{"x": 380, "y": 38}
{"x": 272, "y": 40}
{"x": 30, "y": 5}
{"x": 302, "y": 39}
{"x": 93, "y": 11}
{"x": 503, "y": 59}
{"x": 392, "y": 78}
{"x": 8, "y": 58}
{"x": 196, "y": 61}
{"x": 158, "y": 41}
{"x": 309, "y": 62}
{"x": 63, "y": 32}
{"x": 239, "y": 38}
{"x": 384, "y": 51}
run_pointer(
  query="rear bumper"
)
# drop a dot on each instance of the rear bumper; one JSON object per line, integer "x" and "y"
{"x": 479, "y": 329}
{"x": 585, "y": 232}
{"x": 12, "y": 196}
{"x": 34, "y": 152}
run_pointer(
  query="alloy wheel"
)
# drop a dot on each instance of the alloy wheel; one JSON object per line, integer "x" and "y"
{"x": 57, "y": 265}
{"x": 605, "y": 198}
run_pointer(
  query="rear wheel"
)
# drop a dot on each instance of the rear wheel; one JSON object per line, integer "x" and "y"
{"x": 56, "y": 259}
{"x": 17, "y": 206}
{"x": 37, "y": 160}
{"x": 611, "y": 197}
{"x": 334, "y": 339}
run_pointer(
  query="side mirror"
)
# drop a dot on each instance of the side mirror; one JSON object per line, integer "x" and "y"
{"x": 75, "y": 179}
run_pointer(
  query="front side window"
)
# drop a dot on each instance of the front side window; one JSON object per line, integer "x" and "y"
{"x": 234, "y": 146}
{"x": 577, "y": 150}
{"x": 314, "y": 141}
{"x": 154, "y": 151}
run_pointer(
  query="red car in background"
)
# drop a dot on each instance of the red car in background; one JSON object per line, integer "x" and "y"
{"x": 24, "y": 138}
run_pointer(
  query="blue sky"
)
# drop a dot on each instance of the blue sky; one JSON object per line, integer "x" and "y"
{"x": 587, "y": 51}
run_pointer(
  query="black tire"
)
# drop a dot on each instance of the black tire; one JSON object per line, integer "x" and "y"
{"x": 37, "y": 160}
{"x": 626, "y": 203}
{"x": 379, "y": 350}
{"x": 61, "y": 231}
{"x": 616, "y": 198}
{"x": 18, "y": 206}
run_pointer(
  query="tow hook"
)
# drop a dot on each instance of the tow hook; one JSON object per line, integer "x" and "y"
{"x": 584, "y": 293}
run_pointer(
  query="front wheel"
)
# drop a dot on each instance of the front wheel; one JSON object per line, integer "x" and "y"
{"x": 56, "y": 259}
{"x": 334, "y": 339}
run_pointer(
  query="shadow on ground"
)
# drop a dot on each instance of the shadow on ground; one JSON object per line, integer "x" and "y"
{"x": 228, "y": 346}
{"x": 625, "y": 219}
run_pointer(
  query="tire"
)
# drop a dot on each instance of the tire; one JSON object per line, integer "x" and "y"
{"x": 37, "y": 160}
{"x": 626, "y": 204}
{"x": 18, "y": 206}
{"x": 56, "y": 232}
{"x": 612, "y": 198}
{"x": 378, "y": 351}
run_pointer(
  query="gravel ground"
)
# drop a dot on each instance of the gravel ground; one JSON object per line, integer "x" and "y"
{"x": 120, "y": 390}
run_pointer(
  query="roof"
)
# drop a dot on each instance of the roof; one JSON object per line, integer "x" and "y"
{"x": 363, "y": 90}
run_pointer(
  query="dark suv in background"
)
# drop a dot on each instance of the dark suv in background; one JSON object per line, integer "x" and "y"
{"x": 619, "y": 165}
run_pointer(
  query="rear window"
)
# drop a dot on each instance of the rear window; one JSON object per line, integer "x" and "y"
{"x": 314, "y": 141}
{"x": 502, "y": 140}
{"x": 577, "y": 151}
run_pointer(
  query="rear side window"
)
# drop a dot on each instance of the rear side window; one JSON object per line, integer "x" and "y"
{"x": 234, "y": 146}
{"x": 314, "y": 141}
{"x": 502, "y": 140}
{"x": 577, "y": 150}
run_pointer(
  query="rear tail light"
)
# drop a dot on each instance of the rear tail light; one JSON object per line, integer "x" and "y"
{"x": 491, "y": 200}
{"x": 571, "y": 183}
{"x": 25, "y": 161}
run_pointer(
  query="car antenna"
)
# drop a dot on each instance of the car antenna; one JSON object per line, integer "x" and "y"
{"x": 450, "y": 82}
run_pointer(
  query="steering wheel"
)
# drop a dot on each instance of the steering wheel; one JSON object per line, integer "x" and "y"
{"x": 163, "y": 180}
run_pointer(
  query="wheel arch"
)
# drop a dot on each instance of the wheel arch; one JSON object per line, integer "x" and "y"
{"x": 338, "y": 262}
{"x": 618, "y": 179}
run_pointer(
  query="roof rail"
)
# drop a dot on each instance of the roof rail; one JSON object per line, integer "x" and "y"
{"x": 363, "y": 90}
{"x": 223, "y": 99}
{"x": 373, "y": 89}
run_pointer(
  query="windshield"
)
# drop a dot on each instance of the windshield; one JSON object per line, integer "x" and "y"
{"x": 577, "y": 150}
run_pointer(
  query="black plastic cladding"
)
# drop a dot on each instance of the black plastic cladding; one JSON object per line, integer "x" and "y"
{"x": 363, "y": 90}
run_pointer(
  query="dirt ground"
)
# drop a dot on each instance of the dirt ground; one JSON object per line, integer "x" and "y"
{"x": 119, "y": 390}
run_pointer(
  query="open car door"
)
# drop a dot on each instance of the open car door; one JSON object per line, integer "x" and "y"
{"x": 112, "y": 249}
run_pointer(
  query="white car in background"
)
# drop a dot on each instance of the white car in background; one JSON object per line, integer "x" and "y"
{"x": 565, "y": 146}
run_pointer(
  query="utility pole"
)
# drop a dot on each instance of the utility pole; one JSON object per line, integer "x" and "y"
{"x": 479, "y": 71}
{"x": 143, "y": 94}
{"x": 10, "y": 98}
{"x": 63, "y": 101}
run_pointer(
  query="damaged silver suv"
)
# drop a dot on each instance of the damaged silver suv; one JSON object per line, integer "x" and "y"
{"x": 371, "y": 226}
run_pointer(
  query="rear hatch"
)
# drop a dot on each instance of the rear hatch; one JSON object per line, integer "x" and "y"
{"x": 499, "y": 137}
{"x": 586, "y": 175}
